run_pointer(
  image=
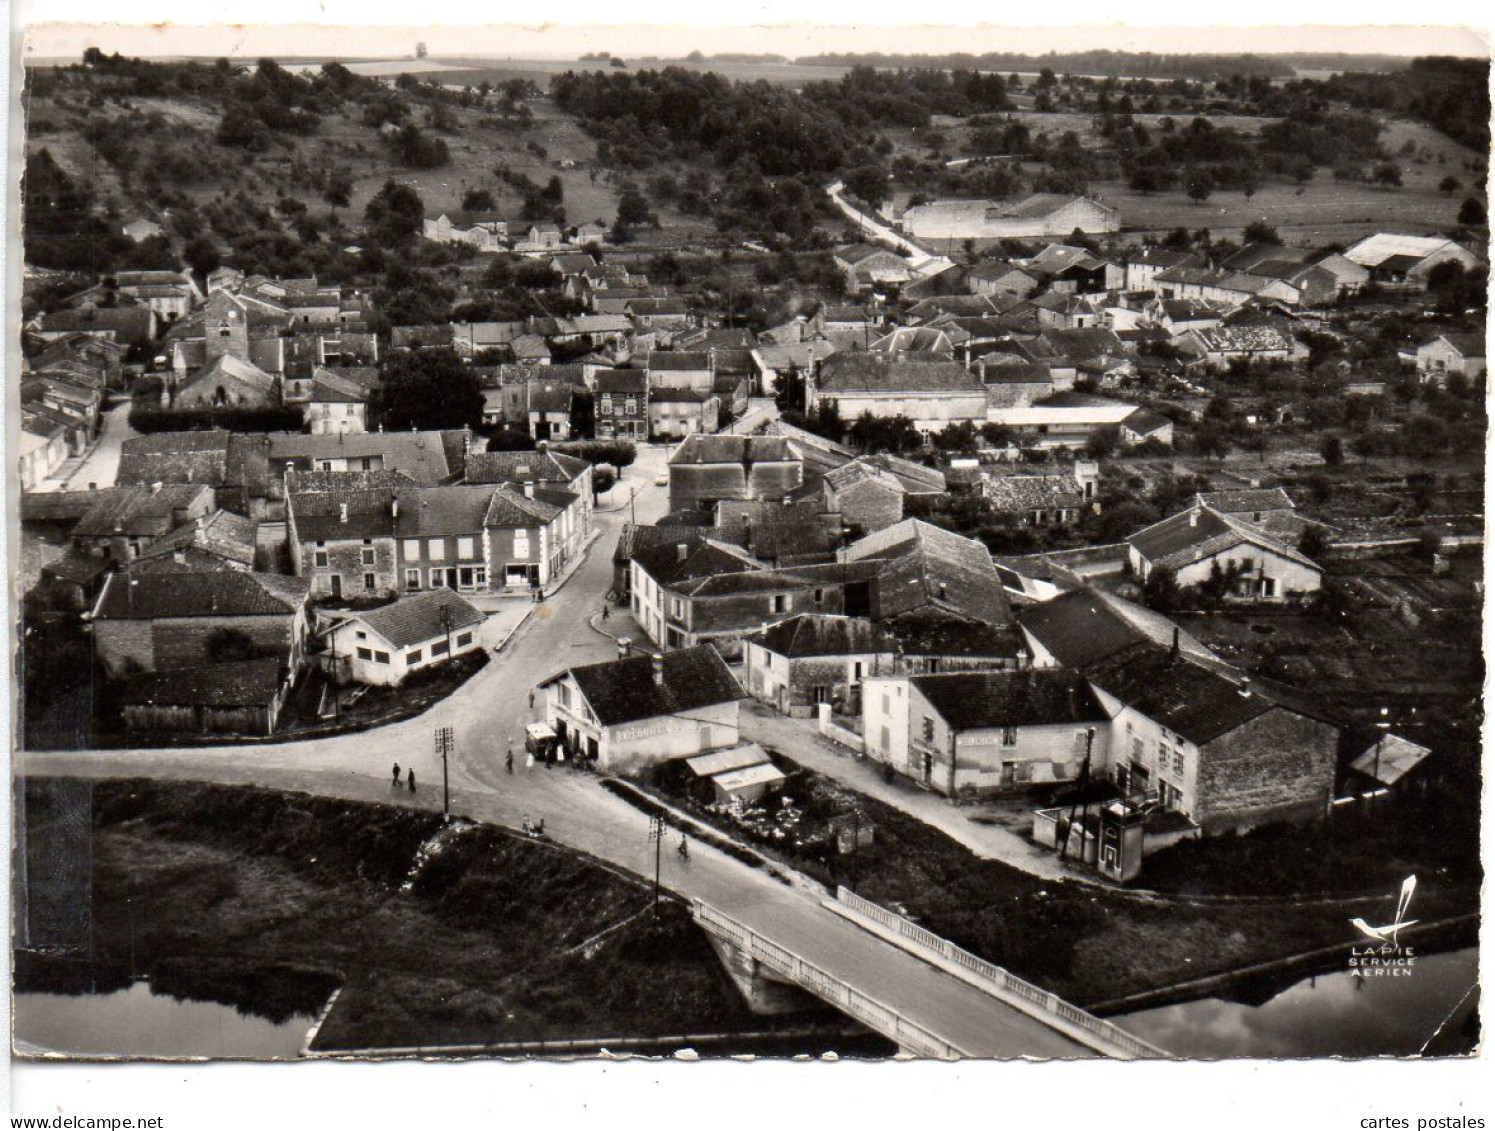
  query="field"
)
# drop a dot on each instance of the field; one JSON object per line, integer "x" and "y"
{"x": 1323, "y": 211}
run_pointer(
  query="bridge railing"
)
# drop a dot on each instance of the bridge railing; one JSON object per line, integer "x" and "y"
{"x": 1107, "y": 1036}
{"x": 910, "y": 1036}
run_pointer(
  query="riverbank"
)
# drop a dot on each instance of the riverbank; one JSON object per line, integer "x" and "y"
{"x": 437, "y": 935}
{"x": 1086, "y": 943}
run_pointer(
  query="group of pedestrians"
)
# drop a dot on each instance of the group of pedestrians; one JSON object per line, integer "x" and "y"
{"x": 395, "y": 783}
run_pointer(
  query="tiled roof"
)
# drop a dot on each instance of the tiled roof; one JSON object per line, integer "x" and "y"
{"x": 221, "y": 534}
{"x": 700, "y": 448}
{"x": 977, "y": 700}
{"x": 419, "y": 617}
{"x": 702, "y": 557}
{"x": 885, "y": 373}
{"x": 635, "y": 381}
{"x": 927, "y": 568}
{"x": 633, "y": 538}
{"x": 221, "y": 593}
{"x": 1089, "y": 625}
{"x": 441, "y": 511}
{"x": 510, "y": 507}
{"x": 427, "y": 457}
{"x": 944, "y": 637}
{"x": 524, "y": 467}
{"x": 1242, "y": 339}
{"x": 667, "y": 361}
{"x": 816, "y": 634}
{"x": 858, "y": 471}
{"x": 245, "y": 683}
{"x": 1197, "y": 701}
{"x": 1249, "y": 501}
{"x": 1011, "y": 493}
{"x": 1200, "y": 532}
{"x": 624, "y": 691}
{"x": 137, "y": 510}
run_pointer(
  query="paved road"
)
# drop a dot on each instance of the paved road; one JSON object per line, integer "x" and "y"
{"x": 488, "y": 713}
{"x": 101, "y": 465}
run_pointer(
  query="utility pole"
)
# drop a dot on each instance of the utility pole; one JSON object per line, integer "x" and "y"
{"x": 632, "y": 517}
{"x": 1084, "y": 787}
{"x": 445, "y": 740}
{"x": 656, "y": 834}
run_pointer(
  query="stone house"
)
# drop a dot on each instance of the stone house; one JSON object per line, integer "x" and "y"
{"x": 172, "y": 620}
{"x": 928, "y": 388}
{"x": 869, "y": 265}
{"x": 1204, "y": 741}
{"x": 1452, "y": 353}
{"x": 622, "y": 404}
{"x": 675, "y": 414}
{"x": 125, "y": 521}
{"x": 978, "y": 733}
{"x": 1197, "y": 542}
{"x": 231, "y": 698}
{"x": 800, "y": 663}
{"x": 704, "y": 470}
{"x": 867, "y": 497}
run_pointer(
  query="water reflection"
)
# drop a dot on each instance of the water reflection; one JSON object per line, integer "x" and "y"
{"x": 135, "y": 1022}
{"x": 1331, "y": 1015}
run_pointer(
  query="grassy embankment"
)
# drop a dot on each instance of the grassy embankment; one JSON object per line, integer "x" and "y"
{"x": 1090, "y": 944}
{"x": 267, "y": 900}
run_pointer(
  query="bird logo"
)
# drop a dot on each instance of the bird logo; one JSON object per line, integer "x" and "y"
{"x": 1389, "y": 932}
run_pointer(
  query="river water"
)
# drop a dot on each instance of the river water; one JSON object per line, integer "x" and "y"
{"x": 136, "y": 1022}
{"x": 1336, "y": 1014}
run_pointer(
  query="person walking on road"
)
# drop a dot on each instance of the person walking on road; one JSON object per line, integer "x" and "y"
{"x": 684, "y": 849}
{"x": 412, "y": 779}
{"x": 509, "y": 760}
{"x": 605, "y": 612}
{"x": 396, "y": 781}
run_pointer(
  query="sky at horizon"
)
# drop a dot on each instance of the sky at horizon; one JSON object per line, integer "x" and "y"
{"x": 552, "y": 41}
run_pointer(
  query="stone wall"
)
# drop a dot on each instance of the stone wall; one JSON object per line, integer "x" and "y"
{"x": 1278, "y": 767}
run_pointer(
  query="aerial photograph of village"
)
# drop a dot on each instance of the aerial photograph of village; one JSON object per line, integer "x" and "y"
{"x": 843, "y": 554}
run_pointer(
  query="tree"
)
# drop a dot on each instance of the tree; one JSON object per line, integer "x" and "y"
{"x": 427, "y": 389}
{"x": 201, "y": 254}
{"x": 1259, "y": 231}
{"x": 394, "y": 214}
{"x": 242, "y": 128}
{"x": 1161, "y": 591}
{"x": 633, "y": 209}
{"x": 338, "y": 190}
{"x": 603, "y": 478}
{"x": 1312, "y": 542}
{"x": 478, "y": 200}
{"x": 1388, "y": 174}
{"x": 868, "y": 183}
{"x": 1199, "y": 184}
{"x": 1472, "y": 213}
{"x": 1450, "y": 185}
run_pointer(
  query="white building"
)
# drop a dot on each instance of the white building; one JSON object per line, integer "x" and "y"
{"x": 385, "y": 645}
{"x": 634, "y": 712}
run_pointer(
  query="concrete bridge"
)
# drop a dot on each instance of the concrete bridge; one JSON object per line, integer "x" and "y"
{"x": 928, "y": 996}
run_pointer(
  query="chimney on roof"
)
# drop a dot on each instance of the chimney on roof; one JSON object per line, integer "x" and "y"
{"x": 682, "y": 551}
{"x": 342, "y": 512}
{"x": 656, "y": 669}
{"x": 156, "y": 488}
{"x": 1194, "y": 517}
{"x": 179, "y": 556}
{"x": 529, "y": 489}
{"x": 394, "y": 504}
